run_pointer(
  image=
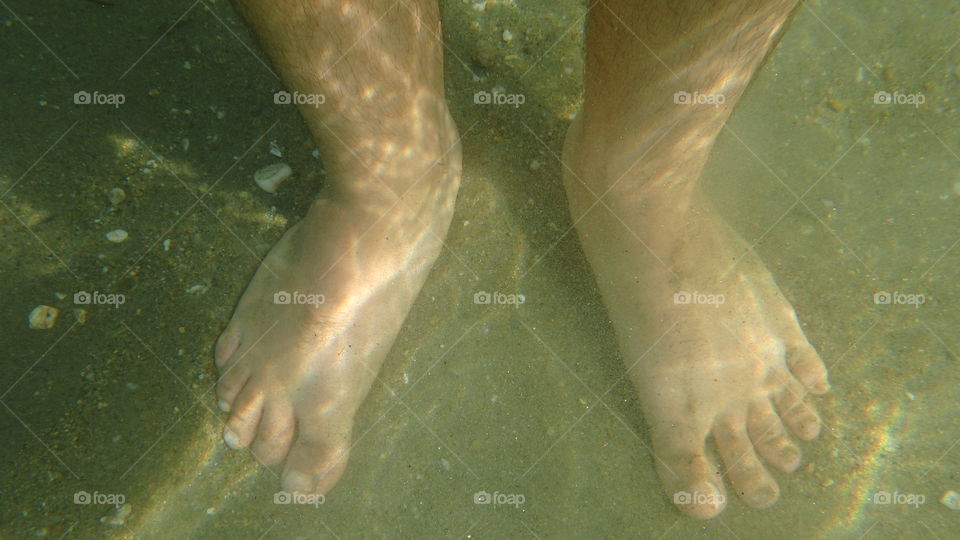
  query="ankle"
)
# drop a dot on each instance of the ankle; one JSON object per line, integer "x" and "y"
{"x": 421, "y": 166}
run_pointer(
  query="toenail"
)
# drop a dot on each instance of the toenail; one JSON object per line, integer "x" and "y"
{"x": 764, "y": 496}
{"x": 224, "y": 406}
{"x": 294, "y": 481}
{"x": 789, "y": 461}
{"x": 231, "y": 439}
{"x": 706, "y": 494}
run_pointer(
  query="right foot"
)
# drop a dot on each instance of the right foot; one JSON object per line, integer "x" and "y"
{"x": 293, "y": 375}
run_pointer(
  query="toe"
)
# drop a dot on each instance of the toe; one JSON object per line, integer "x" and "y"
{"x": 806, "y": 366}
{"x": 797, "y": 412}
{"x": 770, "y": 437}
{"x": 688, "y": 477}
{"x": 748, "y": 476}
{"x": 244, "y": 417}
{"x": 315, "y": 463}
{"x": 227, "y": 345}
{"x": 229, "y": 386}
{"x": 274, "y": 434}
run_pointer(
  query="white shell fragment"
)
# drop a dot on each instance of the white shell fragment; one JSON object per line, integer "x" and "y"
{"x": 270, "y": 177}
{"x": 43, "y": 317}
{"x": 117, "y": 235}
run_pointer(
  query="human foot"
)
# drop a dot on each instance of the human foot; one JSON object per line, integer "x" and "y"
{"x": 313, "y": 327}
{"x": 711, "y": 345}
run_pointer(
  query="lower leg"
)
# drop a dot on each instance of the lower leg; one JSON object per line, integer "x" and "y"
{"x": 378, "y": 64}
{"x": 294, "y": 374}
{"x": 642, "y": 55}
{"x": 737, "y": 371}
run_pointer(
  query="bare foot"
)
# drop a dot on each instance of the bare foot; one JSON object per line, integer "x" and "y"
{"x": 712, "y": 346}
{"x": 313, "y": 327}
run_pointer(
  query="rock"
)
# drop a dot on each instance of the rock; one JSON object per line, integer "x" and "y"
{"x": 117, "y": 196}
{"x": 117, "y": 235}
{"x": 43, "y": 317}
{"x": 270, "y": 177}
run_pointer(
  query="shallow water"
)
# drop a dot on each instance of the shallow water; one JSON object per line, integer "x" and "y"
{"x": 844, "y": 198}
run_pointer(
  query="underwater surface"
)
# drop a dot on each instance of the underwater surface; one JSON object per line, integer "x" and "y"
{"x": 128, "y": 208}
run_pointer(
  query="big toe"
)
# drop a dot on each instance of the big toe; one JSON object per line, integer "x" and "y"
{"x": 315, "y": 463}
{"x": 688, "y": 477}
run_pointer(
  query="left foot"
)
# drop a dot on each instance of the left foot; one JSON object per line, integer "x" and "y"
{"x": 737, "y": 369}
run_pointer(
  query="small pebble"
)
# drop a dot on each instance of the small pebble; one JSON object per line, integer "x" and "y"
{"x": 117, "y": 235}
{"x": 43, "y": 317}
{"x": 951, "y": 499}
{"x": 534, "y": 165}
{"x": 166, "y": 244}
{"x": 117, "y": 196}
{"x": 507, "y": 35}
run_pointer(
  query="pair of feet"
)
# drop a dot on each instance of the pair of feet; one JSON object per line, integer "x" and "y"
{"x": 293, "y": 373}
